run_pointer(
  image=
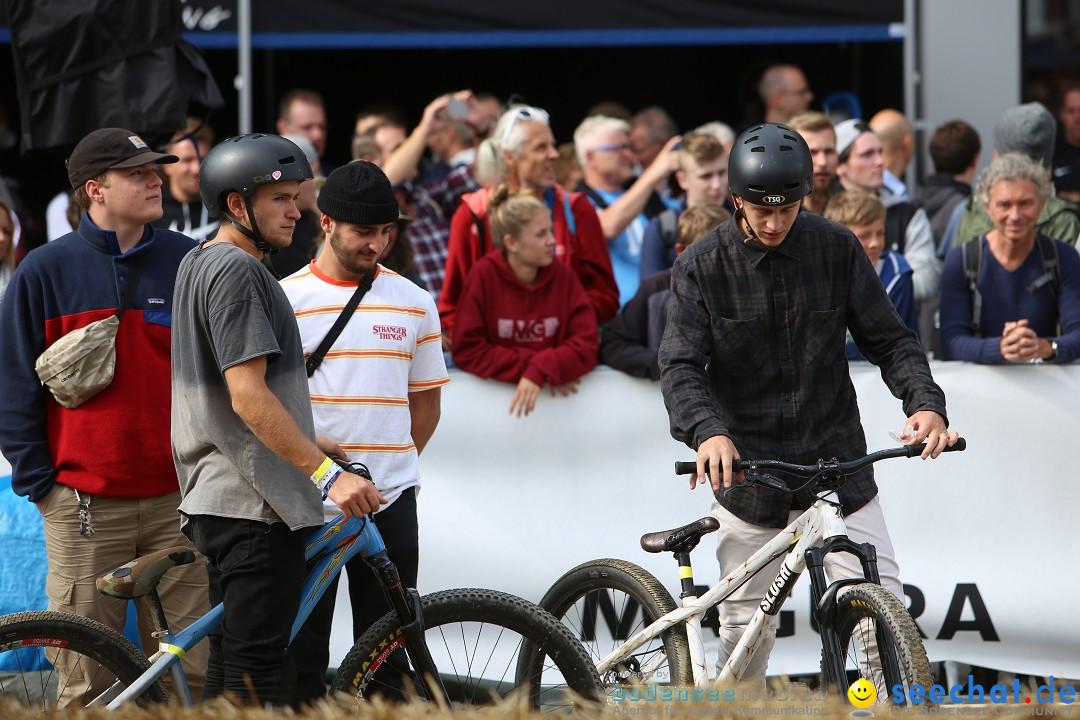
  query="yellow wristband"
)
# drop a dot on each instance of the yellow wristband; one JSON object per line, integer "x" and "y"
{"x": 318, "y": 475}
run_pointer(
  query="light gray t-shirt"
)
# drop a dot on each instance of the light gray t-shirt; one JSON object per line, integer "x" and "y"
{"x": 228, "y": 308}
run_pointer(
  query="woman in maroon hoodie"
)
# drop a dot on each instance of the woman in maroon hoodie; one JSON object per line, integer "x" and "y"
{"x": 523, "y": 318}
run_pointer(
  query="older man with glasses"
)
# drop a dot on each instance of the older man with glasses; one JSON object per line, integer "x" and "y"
{"x": 624, "y": 204}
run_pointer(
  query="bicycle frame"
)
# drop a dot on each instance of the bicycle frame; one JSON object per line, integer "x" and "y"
{"x": 819, "y": 530}
{"x": 333, "y": 545}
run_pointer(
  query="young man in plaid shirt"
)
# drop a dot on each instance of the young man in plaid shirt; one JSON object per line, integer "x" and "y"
{"x": 752, "y": 364}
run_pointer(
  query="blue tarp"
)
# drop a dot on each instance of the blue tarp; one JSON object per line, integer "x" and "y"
{"x": 23, "y": 561}
{"x": 24, "y": 565}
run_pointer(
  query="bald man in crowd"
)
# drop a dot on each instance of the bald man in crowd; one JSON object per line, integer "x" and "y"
{"x": 898, "y": 147}
{"x": 784, "y": 92}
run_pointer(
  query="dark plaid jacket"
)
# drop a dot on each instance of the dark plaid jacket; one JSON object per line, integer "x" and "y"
{"x": 432, "y": 204}
{"x": 754, "y": 349}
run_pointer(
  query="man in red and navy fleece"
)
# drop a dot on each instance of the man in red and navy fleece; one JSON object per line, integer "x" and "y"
{"x": 110, "y": 457}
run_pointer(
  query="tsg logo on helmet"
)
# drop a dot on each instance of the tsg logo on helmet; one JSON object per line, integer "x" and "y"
{"x": 770, "y": 164}
{"x": 769, "y": 171}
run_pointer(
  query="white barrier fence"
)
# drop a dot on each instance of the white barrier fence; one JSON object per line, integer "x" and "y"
{"x": 982, "y": 537}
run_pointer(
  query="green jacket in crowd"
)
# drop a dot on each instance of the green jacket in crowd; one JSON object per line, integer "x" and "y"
{"x": 1060, "y": 220}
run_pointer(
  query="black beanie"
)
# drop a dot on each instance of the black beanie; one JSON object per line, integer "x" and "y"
{"x": 359, "y": 193}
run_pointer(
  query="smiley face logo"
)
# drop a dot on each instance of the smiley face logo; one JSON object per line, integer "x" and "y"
{"x": 862, "y": 693}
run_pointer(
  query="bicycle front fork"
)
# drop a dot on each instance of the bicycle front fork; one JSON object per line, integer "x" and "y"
{"x": 825, "y": 598}
{"x": 406, "y": 604}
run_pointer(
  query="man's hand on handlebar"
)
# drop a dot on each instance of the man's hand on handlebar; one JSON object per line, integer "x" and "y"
{"x": 929, "y": 427}
{"x": 719, "y": 452}
{"x": 355, "y": 496}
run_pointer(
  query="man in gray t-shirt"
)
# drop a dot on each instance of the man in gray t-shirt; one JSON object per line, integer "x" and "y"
{"x": 252, "y": 473}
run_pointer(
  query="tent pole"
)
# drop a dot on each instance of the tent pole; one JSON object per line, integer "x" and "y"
{"x": 244, "y": 79}
{"x": 913, "y": 89}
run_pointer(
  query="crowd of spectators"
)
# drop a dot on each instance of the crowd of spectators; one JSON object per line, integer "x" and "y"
{"x": 614, "y": 193}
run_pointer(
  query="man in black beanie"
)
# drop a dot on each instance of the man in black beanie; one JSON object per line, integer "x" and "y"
{"x": 377, "y": 391}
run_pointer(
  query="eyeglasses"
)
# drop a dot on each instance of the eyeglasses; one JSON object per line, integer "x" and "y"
{"x": 614, "y": 148}
{"x": 528, "y": 114}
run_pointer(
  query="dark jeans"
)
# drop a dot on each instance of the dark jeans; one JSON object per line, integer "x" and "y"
{"x": 257, "y": 570}
{"x": 311, "y": 648}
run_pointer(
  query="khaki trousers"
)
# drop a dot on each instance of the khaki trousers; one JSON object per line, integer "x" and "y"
{"x": 123, "y": 530}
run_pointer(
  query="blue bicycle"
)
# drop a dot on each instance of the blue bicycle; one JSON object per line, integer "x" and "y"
{"x": 460, "y": 647}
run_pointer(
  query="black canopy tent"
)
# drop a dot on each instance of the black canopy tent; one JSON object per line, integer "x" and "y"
{"x": 486, "y": 23}
{"x": 75, "y": 59}
{"x": 81, "y": 65}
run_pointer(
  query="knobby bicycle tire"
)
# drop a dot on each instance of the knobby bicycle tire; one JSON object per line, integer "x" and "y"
{"x": 600, "y": 601}
{"x": 32, "y": 642}
{"x": 868, "y": 615}
{"x": 474, "y": 637}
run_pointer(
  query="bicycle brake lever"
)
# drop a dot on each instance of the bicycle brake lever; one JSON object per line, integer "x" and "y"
{"x": 769, "y": 481}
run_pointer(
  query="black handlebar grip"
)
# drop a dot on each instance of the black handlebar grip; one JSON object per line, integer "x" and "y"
{"x": 913, "y": 450}
{"x": 689, "y": 468}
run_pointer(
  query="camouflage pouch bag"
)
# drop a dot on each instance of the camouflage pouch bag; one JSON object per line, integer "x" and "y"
{"x": 81, "y": 364}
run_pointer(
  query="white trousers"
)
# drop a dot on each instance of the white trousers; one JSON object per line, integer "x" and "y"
{"x": 738, "y": 540}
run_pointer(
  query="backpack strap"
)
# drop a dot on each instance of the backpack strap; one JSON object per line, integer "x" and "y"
{"x": 654, "y": 205}
{"x": 669, "y": 222}
{"x": 315, "y": 359}
{"x": 597, "y": 200}
{"x": 897, "y": 219}
{"x": 132, "y": 281}
{"x": 971, "y": 253}
{"x": 1051, "y": 265}
{"x": 571, "y": 224}
{"x": 481, "y": 231}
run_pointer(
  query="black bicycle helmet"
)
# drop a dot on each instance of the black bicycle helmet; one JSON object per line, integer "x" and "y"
{"x": 770, "y": 164}
{"x": 241, "y": 164}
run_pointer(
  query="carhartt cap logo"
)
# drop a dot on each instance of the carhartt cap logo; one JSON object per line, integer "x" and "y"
{"x": 773, "y": 199}
{"x": 276, "y": 174}
{"x": 138, "y": 142}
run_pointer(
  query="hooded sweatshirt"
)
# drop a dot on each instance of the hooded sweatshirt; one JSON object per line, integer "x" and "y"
{"x": 506, "y": 330}
{"x": 584, "y": 249}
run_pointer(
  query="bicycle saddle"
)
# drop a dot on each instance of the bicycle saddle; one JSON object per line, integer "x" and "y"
{"x": 682, "y": 539}
{"x": 141, "y": 575}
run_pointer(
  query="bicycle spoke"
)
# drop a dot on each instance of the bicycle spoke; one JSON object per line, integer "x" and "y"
{"x": 450, "y": 656}
{"x": 509, "y": 663}
{"x": 469, "y": 656}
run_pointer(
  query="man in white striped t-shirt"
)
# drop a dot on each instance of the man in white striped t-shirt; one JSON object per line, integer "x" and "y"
{"x": 376, "y": 392}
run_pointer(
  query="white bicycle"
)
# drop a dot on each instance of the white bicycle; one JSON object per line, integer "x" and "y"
{"x": 865, "y": 630}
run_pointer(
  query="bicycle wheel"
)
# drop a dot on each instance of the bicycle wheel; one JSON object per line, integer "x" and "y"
{"x": 474, "y": 637}
{"x": 54, "y": 659}
{"x": 880, "y": 642}
{"x": 604, "y": 602}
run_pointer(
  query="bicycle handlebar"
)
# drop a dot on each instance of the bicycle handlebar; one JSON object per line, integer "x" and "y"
{"x": 807, "y": 471}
